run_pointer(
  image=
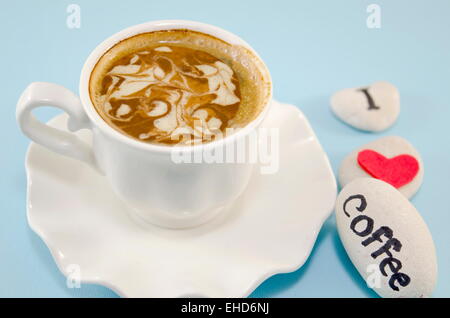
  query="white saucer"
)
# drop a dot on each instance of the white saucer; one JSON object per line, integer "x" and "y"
{"x": 270, "y": 229}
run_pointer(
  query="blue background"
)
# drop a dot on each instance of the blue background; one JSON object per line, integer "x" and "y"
{"x": 312, "y": 48}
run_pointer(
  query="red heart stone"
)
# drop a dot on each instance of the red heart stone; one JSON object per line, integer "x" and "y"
{"x": 396, "y": 171}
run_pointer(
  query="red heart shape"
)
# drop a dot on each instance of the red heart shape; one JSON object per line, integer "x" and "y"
{"x": 396, "y": 171}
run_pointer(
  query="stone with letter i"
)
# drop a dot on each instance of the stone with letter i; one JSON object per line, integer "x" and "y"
{"x": 371, "y": 108}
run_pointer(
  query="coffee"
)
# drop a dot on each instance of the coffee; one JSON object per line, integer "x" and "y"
{"x": 178, "y": 87}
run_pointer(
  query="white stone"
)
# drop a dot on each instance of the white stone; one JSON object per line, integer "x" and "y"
{"x": 352, "y": 106}
{"x": 389, "y": 147}
{"x": 367, "y": 210}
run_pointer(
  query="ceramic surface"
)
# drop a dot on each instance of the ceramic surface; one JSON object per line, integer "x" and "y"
{"x": 269, "y": 229}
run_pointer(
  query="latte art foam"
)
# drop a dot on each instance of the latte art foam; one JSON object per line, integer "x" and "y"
{"x": 191, "y": 97}
{"x": 177, "y": 87}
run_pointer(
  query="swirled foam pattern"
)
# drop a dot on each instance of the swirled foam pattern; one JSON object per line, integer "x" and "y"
{"x": 176, "y": 87}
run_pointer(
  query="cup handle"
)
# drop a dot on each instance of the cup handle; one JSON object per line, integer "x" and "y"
{"x": 47, "y": 94}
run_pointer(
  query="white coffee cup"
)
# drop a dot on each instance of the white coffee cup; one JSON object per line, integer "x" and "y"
{"x": 143, "y": 175}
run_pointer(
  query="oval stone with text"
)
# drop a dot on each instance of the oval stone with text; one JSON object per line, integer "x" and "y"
{"x": 386, "y": 239}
